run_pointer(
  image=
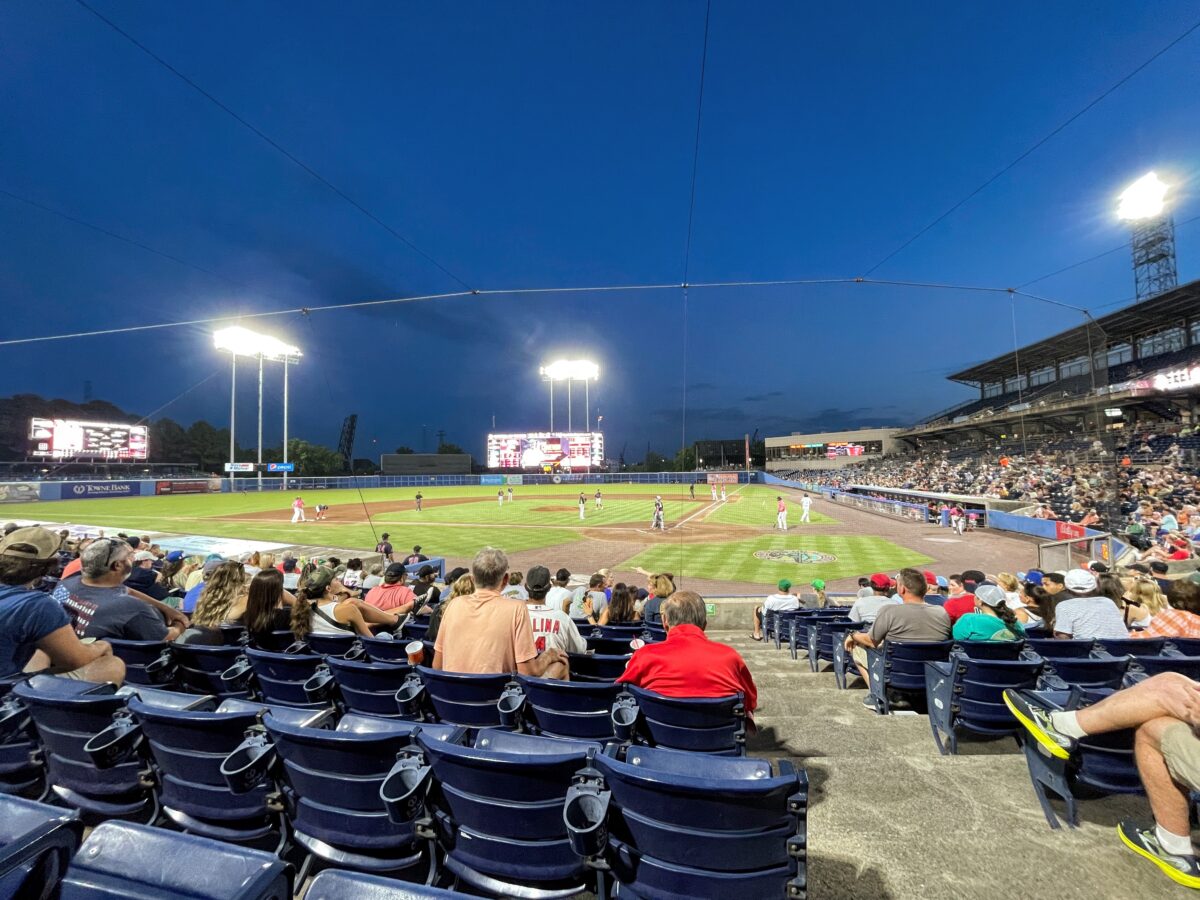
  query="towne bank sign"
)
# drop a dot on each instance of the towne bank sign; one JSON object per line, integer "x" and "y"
{"x": 84, "y": 489}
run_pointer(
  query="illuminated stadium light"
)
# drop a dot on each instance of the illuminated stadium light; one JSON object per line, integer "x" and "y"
{"x": 1144, "y": 206}
{"x": 1144, "y": 199}
{"x": 238, "y": 341}
{"x": 571, "y": 370}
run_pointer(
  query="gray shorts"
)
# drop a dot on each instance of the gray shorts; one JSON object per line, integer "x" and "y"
{"x": 1181, "y": 751}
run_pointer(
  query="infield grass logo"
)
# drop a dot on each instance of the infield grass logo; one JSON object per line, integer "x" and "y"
{"x": 799, "y": 557}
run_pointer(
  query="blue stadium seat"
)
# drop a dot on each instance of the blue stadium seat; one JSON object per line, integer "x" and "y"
{"x": 200, "y": 670}
{"x": 330, "y": 781}
{"x": 233, "y": 635}
{"x": 469, "y": 807}
{"x": 674, "y": 825}
{"x": 184, "y": 749}
{"x": 452, "y": 697}
{"x": 368, "y": 687}
{"x": 624, "y": 633}
{"x": 702, "y": 724}
{"x": 567, "y": 709}
{"x": 1131, "y": 646}
{"x": 330, "y": 644}
{"x": 146, "y": 662}
{"x": 281, "y": 678}
{"x": 36, "y": 844}
{"x": 414, "y": 630}
{"x": 654, "y": 633}
{"x": 387, "y": 650}
{"x": 596, "y": 666}
{"x": 273, "y": 641}
{"x": 991, "y": 649}
{"x": 1146, "y": 666}
{"x": 1060, "y": 649}
{"x": 122, "y": 860}
{"x": 827, "y": 642}
{"x": 334, "y": 885}
{"x": 1186, "y": 646}
{"x": 1087, "y": 673}
{"x": 610, "y": 646}
{"x": 67, "y": 714}
{"x": 966, "y": 694}
{"x": 21, "y": 769}
{"x": 900, "y": 669}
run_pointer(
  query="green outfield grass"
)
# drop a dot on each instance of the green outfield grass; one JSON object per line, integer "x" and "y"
{"x": 735, "y": 560}
{"x": 756, "y": 507}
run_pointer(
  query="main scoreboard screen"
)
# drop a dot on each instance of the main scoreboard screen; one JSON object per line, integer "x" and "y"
{"x": 542, "y": 450}
{"x": 72, "y": 439}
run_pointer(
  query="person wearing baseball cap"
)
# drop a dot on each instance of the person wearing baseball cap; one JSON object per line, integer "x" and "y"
{"x": 551, "y": 626}
{"x": 992, "y": 620}
{"x": 143, "y": 577}
{"x": 36, "y": 632}
{"x": 933, "y": 589}
{"x": 782, "y": 601}
{"x": 1082, "y": 615}
{"x": 393, "y": 595}
{"x": 866, "y": 609}
{"x": 820, "y": 601}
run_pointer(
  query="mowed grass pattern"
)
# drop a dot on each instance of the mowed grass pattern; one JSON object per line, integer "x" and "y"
{"x": 755, "y": 506}
{"x": 735, "y": 560}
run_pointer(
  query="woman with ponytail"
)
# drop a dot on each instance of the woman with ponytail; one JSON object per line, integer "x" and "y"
{"x": 992, "y": 619}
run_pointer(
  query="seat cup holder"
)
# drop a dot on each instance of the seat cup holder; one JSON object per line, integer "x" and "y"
{"x": 319, "y": 686}
{"x": 624, "y": 718}
{"x": 162, "y": 670}
{"x": 246, "y": 767}
{"x": 409, "y": 695}
{"x": 403, "y": 791}
{"x": 509, "y": 706}
{"x": 237, "y": 675}
{"x": 585, "y": 813}
{"x": 115, "y": 744}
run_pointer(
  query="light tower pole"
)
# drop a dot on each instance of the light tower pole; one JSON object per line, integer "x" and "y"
{"x": 1144, "y": 206}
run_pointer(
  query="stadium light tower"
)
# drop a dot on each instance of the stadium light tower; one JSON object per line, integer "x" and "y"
{"x": 1144, "y": 206}
{"x": 239, "y": 341}
{"x": 571, "y": 370}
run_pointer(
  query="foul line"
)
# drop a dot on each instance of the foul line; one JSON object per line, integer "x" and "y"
{"x": 702, "y": 511}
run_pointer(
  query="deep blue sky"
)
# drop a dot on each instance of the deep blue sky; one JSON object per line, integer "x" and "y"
{"x": 544, "y": 145}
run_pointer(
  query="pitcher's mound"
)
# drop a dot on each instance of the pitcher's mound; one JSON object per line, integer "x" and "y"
{"x": 556, "y": 509}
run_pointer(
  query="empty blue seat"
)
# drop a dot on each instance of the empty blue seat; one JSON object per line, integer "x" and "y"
{"x": 567, "y": 709}
{"x": 782, "y": 629}
{"x": 122, "y": 860}
{"x": 200, "y": 670}
{"x": 702, "y": 724}
{"x": 275, "y": 641}
{"x": 335, "y": 885}
{"x": 368, "y": 687}
{"x": 146, "y": 662}
{"x": 387, "y": 650}
{"x": 624, "y": 633}
{"x": 452, "y": 697}
{"x": 966, "y": 694}
{"x": 280, "y": 678}
{"x": 21, "y": 771}
{"x": 1167, "y": 662}
{"x": 1132, "y": 646}
{"x": 330, "y": 781}
{"x": 654, "y": 633}
{"x": 36, "y": 844}
{"x": 415, "y": 630}
{"x": 1186, "y": 646}
{"x": 827, "y": 642}
{"x": 1091, "y": 672}
{"x": 673, "y": 825}
{"x": 990, "y": 649}
{"x": 611, "y": 646}
{"x": 596, "y": 666}
{"x": 899, "y": 668}
{"x": 496, "y": 807}
{"x": 328, "y": 644}
{"x": 1060, "y": 649}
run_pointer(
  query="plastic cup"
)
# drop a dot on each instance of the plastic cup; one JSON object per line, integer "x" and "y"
{"x": 416, "y": 653}
{"x": 637, "y": 644}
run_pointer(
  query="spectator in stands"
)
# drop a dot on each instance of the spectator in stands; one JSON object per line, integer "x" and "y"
{"x": 487, "y": 632}
{"x": 353, "y": 576}
{"x": 687, "y": 663}
{"x": 909, "y": 620}
{"x": 1181, "y": 618}
{"x": 289, "y": 568}
{"x": 142, "y": 576}
{"x": 268, "y": 606}
{"x": 198, "y": 573}
{"x": 820, "y": 601}
{"x": 222, "y": 600}
{"x": 1159, "y": 569}
{"x": 175, "y": 570}
{"x": 933, "y": 591}
{"x": 866, "y": 609}
{"x": 35, "y": 631}
{"x": 424, "y": 588}
{"x": 462, "y": 586}
{"x": 252, "y": 564}
{"x": 588, "y": 603}
{"x": 515, "y": 589}
{"x": 560, "y": 594}
{"x": 991, "y": 620}
{"x": 551, "y": 626}
{"x": 325, "y": 606}
{"x": 10, "y": 527}
{"x": 374, "y": 577}
{"x": 660, "y": 588}
{"x": 864, "y": 588}
{"x": 101, "y": 607}
{"x": 1082, "y": 614}
{"x": 783, "y": 600}
{"x": 1164, "y": 712}
{"x": 621, "y": 608}
{"x": 393, "y": 595}
{"x": 962, "y": 599}
{"x": 1011, "y": 586}
{"x": 193, "y": 593}
{"x": 1054, "y": 583}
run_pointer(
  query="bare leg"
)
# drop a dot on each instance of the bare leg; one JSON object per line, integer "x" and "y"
{"x": 1168, "y": 799}
{"x": 1169, "y": 694}
{"x": 758, "y": 623}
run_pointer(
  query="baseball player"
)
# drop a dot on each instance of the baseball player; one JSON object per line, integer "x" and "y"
{"x": 805, "y": 506}
{"x": 510, "y": 495}
{"x": 657, "y": 521}
{"x": 298, "y": 511}
{"x": 692, "y": 490}
{"x": 722, "y": 493}
{"x": 713, "y": 490}
{"x": 781, "y": 514}
{"x": 582, "y": 506}
{"x": 418, "y": 498}
{"x": 599, "y": 499}
{"x": 500, "y": 497}
{"x": 321, "y": 509}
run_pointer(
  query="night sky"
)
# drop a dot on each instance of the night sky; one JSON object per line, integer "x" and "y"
{"x": 533, "y": 145}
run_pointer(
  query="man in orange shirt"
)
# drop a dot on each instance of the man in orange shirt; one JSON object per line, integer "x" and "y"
{"x": 687, "y": 663}
{"x": 486, "y": 632}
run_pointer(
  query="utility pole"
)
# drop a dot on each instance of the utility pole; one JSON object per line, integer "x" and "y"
{"x": 441, "y": 436}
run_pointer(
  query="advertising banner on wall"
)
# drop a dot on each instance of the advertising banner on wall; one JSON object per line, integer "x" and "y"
{"x": 1067, "y": 530}
{"x": 722, "y": 478}
{"x": 189, "y": 486}
{"x": 491, "y": 479}
{"x": 516, "y": 479}
{"x": 83, "y": 490}
{"x": 19, "y": 492}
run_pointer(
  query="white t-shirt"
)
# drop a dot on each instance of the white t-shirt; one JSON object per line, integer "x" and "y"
{"x": 806, "y": 502}
{"x": 553, "y": 628}
{"x": 1084, "y": 618}
{"x": 781, "y": 603}
{"x": 556, "y": 595}
{"x": 516, "y": 591}
{"x": 352, "y": 578}
{"x": 865, "y": 609}
{"x": 371, "y": 581}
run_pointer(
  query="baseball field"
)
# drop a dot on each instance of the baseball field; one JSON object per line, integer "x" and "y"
{"x": 732, "y": 541}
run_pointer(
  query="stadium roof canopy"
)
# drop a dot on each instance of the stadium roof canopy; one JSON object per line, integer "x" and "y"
{"x": 1178, "y": 306}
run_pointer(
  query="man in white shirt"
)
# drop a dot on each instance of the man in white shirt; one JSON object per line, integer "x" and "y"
{"x": 783, "y": 600}
{"x": 552, "y": 628}
{"x": 805, "y": 506}
{"x": 865, "y": 609}
{"x": 1082, "y": 615}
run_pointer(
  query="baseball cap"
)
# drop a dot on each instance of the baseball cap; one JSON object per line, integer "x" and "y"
{"x": 1079, "y": 580}
{"x": 784, "y": 584}
{"x": 930, "y": 578}
{"x": 943, "y": 581}
{"x": 32, "y": 542}
{"x": 880, "y": 581}
{"x": 175, "y": 556}
{"x": 320, "y": 578}
{"x": 538, "y": 579}
{"x": 143, "y": 555}
{"x": 990, "y": 595}
{"x": 210, "y": 565}
{"x": 425, "y": 571}
{"x": 818, "y": 584}
{"x": 1033, "y": 576}
{"x": 394, "y": 573}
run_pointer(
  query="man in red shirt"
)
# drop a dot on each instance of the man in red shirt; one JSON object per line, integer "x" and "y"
{"x": 961, "y": 600}
{"x": 687, "y": 663}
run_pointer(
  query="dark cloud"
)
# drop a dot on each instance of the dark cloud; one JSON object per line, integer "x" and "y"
{"x": 760, "y": 398}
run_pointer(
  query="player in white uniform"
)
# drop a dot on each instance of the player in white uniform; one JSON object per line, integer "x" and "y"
{"x": 599, "y": 499}
{"x": 500, "y": 497}
{"x": 657, "y": 521}
{"x": 713, "y": 490}
{"x": 722, "y": 493}
{"x": 510, "y": 495}
{"x": 805, "y": 506}
{"x": 582, "y": 506}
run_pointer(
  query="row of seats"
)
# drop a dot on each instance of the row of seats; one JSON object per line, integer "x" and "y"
{"x": 392, "y": 796}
